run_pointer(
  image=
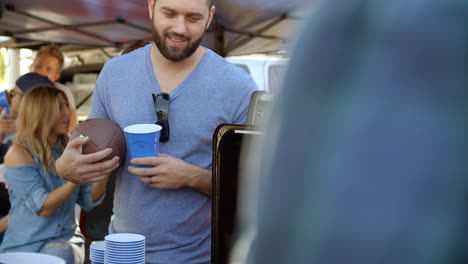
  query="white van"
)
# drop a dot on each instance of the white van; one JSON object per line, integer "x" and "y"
{"x": 268, "y": 71}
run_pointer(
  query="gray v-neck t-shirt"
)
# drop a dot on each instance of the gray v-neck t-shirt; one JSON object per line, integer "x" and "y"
{"x": 176, "y": 223}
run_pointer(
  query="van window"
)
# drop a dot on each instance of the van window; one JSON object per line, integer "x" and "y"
{"x": 244, "y": 67}
{"x": 276, "y": 74}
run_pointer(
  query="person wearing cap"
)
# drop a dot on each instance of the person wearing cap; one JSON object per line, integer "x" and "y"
{"x": 8, "y": 131}
{"x": 7, "y": 120}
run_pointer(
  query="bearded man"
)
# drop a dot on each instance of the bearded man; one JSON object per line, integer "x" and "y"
{"x": 189, "y": 90}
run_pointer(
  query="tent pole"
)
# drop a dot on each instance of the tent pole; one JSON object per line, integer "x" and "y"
{"x": 219, "y": 37}
{"x": 241, "y": 41}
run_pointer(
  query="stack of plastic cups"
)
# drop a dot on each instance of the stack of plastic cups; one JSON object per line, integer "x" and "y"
{"x": 96, "y": 253}
{"x": 124, "y": 248}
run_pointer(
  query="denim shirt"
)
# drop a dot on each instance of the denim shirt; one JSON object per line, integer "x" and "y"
{"x": 28, "y": 187}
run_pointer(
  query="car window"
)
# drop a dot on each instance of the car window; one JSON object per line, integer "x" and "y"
{"x": 276, "y": 74}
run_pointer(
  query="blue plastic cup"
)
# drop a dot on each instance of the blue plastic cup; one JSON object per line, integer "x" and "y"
{"x": 4, "y": 99}
{"x": 143, "y": 141}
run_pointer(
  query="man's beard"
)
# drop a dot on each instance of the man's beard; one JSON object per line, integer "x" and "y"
{"x": 175, "y": 54}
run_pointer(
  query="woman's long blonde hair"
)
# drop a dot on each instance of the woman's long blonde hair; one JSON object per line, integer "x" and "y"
{"x": 38, "y": 113}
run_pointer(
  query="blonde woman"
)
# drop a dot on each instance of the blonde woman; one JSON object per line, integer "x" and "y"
{"x": 42, "y": 216}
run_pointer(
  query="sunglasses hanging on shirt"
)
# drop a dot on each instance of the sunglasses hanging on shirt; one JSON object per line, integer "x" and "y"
{"x": 161, "y": 107}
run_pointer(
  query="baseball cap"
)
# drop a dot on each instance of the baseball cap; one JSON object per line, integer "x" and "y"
{"x": 29, "y": 80}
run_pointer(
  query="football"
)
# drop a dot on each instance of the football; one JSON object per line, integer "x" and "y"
{"x": 102, "y": 133}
